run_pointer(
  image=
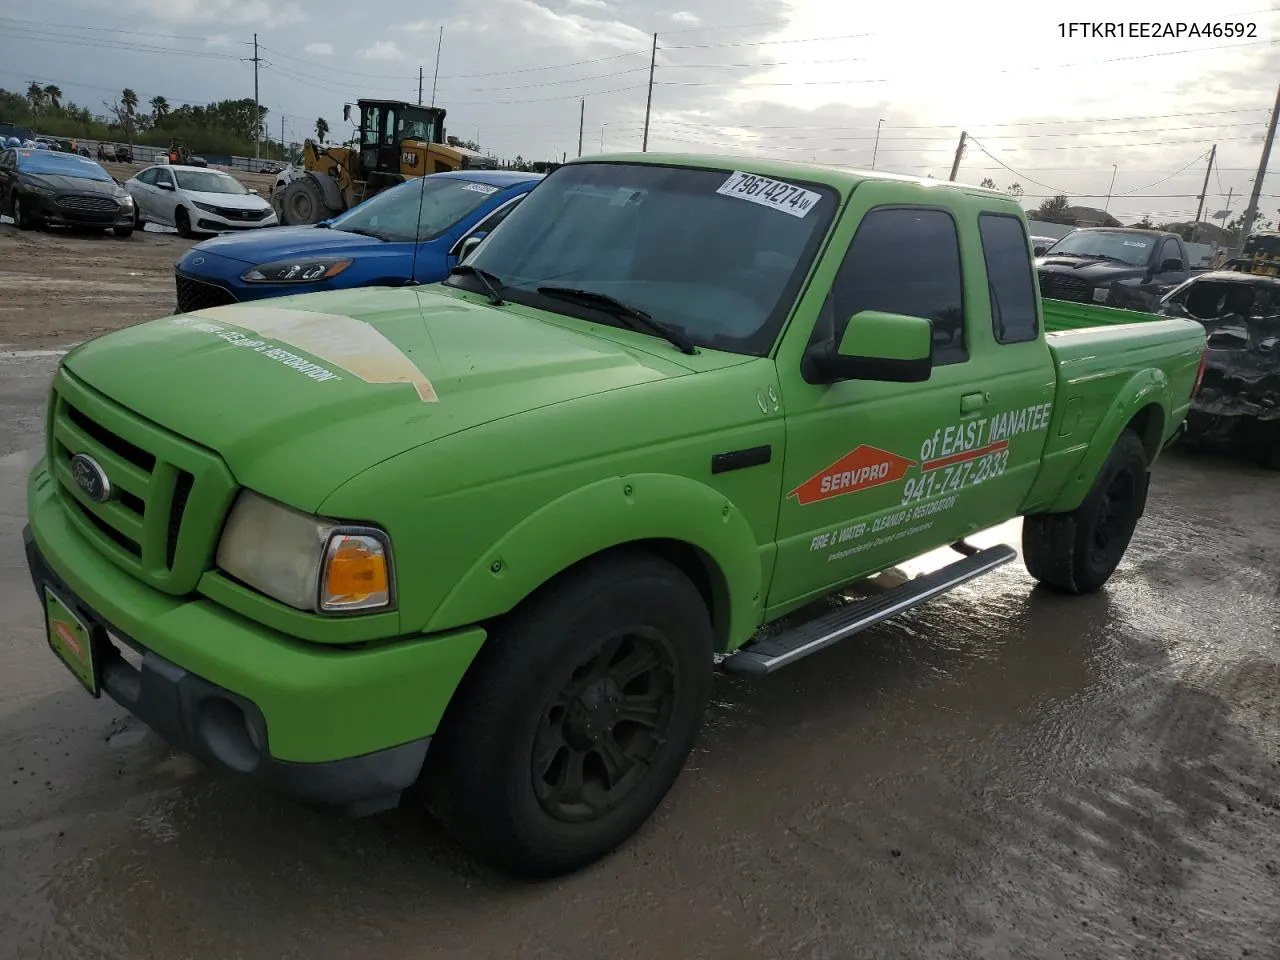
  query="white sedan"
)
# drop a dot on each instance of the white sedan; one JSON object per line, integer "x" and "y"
{"x": 196, "y": 200}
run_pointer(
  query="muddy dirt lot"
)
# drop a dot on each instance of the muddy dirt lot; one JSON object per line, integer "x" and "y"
{"x": 1001, "y": 774}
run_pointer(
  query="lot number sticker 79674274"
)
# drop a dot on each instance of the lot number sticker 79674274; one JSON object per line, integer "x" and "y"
{"x": 786, "y": 197}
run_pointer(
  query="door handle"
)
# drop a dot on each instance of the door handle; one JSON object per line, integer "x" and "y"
{"x": 972, "y": 402}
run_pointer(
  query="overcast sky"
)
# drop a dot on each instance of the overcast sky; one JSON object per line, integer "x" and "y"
{"x": 800, "y": 79}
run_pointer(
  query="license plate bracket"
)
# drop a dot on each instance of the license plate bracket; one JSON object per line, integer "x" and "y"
{"x": 72, "y": 641}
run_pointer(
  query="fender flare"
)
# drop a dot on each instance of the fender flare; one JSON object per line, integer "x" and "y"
{"x": 328, "y": 189}
{"x": 612, "y": 513}
{"x": 1149, "y": 387}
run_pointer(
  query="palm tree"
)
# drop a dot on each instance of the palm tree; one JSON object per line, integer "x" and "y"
{"x": 129, "y": 99}
{"x": 36, "y": 97}
{"x": 159, "y": 109}
{"x": 322, "y": 128}
{"x": 54, "y": 95}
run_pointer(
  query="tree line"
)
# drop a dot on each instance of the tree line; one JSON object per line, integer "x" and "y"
{"x": 224, "y": 127}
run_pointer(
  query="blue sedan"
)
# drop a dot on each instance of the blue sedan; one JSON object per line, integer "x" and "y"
{"x": 412, "y": 232}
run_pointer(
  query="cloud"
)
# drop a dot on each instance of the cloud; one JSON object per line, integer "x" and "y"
{"x": 684, "y": 16}
{"x": 383, "y": 50}
{"x": 595, "y": 4}
{"x": 224, "y": 12}
{"x": 221, "y": 40}
{"x": 319, "y": 49}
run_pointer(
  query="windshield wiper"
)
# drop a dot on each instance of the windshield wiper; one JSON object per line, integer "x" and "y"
{"x": 360, "y": 231}
{"x": 634, "y": 318}
{"x": 491, "y": 282}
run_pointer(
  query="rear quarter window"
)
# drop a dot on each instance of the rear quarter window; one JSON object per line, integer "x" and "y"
{"x": 1006, "y": 251}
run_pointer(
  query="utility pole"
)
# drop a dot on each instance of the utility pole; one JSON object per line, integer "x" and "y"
{"x": 257, "y": 110}
{"x": 439, "y": 44}
{"x": 1114, "y": 167}
{"x": 955, "y": 164}
{"x": 1204, "y": 190}
{"x": 876, "y": 148}
{"x": 648, "y": 100}
{"x": 419, "y": 85}
{"x": 1251, "y": 211}
{"x": 282, "y": 150}
{"x": 582, "y": 116}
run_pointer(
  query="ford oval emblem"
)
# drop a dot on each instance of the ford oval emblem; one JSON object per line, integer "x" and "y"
{"x": 91, "y": 478}
{"x": 197, "y": 261}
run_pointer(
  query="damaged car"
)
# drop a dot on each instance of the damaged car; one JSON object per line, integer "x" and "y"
{"x": 1239, "y": 400}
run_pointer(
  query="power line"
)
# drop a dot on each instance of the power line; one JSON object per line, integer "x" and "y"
{"x": 35, "y": 37}
{"x": 136, "y": 33}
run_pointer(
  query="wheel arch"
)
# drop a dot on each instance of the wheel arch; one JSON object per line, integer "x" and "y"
{"x": 1142, "y": 405}
{"x": 692, "y": 526}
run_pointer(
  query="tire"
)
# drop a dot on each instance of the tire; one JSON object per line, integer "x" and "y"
{"x": 1078, "y": 551}
{"x": 302, "y": 202}
{"x": 124, "y": 233}
{"x": 182, "y": 220}
{"x": 526, "y": 715}
{"x": 21, "y": 219}
{"x": 138, "y": 223}
{"x": 1269, "y": 455}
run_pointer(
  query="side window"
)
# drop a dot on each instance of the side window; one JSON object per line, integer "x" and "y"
{"x": 904, "y": 260}
{"x": 147, "y": 176}
{"x": 1010, "y": 279}
{"x": 1170, "y": 252}
{"x": 164, "y": 176}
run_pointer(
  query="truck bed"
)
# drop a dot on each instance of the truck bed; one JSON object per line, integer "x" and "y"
{"x": 1097, "y": 352}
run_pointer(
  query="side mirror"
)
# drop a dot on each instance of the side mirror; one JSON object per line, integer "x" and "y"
{"x": 253, "y": 191}
{"x": 163, "y": 185}
{"x": 1040, "y": 248}
{"x": 469, "y": 245}
{"x": 884, "y": 347}
{"x": 1171, "y": 265}
{"x": 346, "y": 112}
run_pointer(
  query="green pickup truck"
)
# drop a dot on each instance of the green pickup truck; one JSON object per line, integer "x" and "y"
{"x": 489, "y": 539}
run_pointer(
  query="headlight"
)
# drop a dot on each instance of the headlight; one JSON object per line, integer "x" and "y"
{"x": 42, "y": 191}
{"x": 307, "y": 562}
{"x": 124, "y": 199}
{"x": 206, "y": 207}
{"x": 302, "y": 270}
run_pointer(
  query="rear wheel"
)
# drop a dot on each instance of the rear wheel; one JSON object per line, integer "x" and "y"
{"x": 576, "y": 717}
{"x": 182, "y": 220}
{"x": 302, "y": 202}
{"x": 1078, "y": 551}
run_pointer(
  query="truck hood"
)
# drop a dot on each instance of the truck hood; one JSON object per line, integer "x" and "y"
{"x": 1088, "y": 268}
{"x": 278, "y": 243}
{"x": 302, "y": 394}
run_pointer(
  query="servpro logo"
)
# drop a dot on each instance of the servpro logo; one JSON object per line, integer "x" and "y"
{"x": 862, "y": 468}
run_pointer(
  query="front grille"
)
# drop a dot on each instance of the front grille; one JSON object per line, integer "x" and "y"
{"x": 1060, "y": 286}
{"x": 102, "y": 206}
{"x": 250, "y": 216}
{"x": 199, "y": 295}
{"x": 168, "y": 499}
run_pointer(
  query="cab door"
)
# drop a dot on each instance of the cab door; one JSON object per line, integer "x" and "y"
{"x": 877, "y": 473}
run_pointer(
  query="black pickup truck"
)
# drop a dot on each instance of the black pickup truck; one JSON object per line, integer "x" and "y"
{"x": 1114, "y": 266}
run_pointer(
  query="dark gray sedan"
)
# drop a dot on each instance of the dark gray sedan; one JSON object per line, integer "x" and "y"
{"x": 49, "y": 188}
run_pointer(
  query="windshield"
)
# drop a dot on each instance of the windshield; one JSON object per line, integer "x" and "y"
{"x": 44, "y": 162}
{"x": 717, "y": 255}
{"x": 419, "y": 125}
{"x": 420, "y": 209}
{"x": 209, "y": 181}
{"x": 1130, "y": 248}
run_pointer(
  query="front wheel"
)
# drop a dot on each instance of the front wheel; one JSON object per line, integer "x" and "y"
{"x": 1078, "y": 551}
{"x": 182, "y": 220}
{"x": 576, "y": 717}
{"x": 124, "y": 233}
{"x": 22, "y": 219}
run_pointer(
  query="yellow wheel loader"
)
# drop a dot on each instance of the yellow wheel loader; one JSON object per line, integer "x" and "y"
{"x": 394, "y": 141}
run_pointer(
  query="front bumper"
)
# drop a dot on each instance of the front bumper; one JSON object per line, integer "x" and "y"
{"x": 328, "y": 725}
{"x": 212, "y": 222}
{"x": 48, "y": 210}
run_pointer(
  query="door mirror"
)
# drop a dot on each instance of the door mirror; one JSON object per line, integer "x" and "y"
{"x": 346, "y": 113}
{"x": 254, "y": 192}
{"x": 469, "y": 245}
{"x": 164, "y": 184}
{"x": 885, "y": 347}
{"x": 1171, "y": 265}
{"x": 1040, "y": 248}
